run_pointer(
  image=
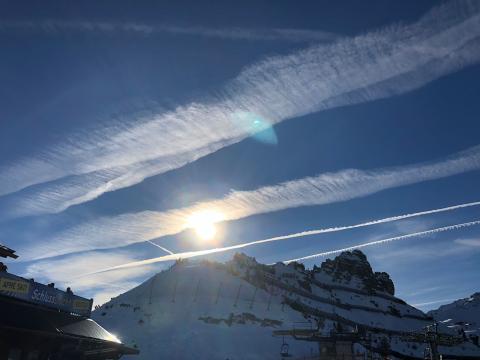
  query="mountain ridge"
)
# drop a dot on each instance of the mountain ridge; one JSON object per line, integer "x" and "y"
{"x": 462, "y": 315}
{"x": 239, "y": 308}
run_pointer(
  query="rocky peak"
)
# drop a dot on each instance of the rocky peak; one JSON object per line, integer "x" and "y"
{"x": 475, "y": 296}
{"x": 348, "y": 263}
{"x": 350, "y": 268}
{"x": 354, "y": 263}
{"x": 242, "y": 260}
{"x": 384, "y": 283}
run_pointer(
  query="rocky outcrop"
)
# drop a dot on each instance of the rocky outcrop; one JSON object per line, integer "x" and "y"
{"x": 350, "y": 264}
{"x": 384, "y": 283}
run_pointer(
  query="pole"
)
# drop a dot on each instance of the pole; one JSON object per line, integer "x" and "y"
{"x": 218, "y": 293}
{"x": 151, "y": 289}
{"x": 196, "y": 291}
{"x": 175, "y": 290}
{"x": 238, "y": 294}
{"x": 253, "y": 298}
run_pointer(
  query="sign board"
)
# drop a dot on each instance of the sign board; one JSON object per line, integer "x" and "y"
{"x": 14, "y": 286}
{"x": 31, "y": 291}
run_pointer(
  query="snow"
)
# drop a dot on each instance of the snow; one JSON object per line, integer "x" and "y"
{"x": 463, "y": 314}
{"x": 206, "y": 310}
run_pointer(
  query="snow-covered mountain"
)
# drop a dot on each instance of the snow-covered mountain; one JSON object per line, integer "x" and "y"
{"x": 462, "y": 315}
{"x": 246, "y": 310}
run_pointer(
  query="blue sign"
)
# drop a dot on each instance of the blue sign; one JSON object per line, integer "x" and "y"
{"x": 31, "y": 291}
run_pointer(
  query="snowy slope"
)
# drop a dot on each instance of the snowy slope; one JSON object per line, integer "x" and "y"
{"x": 463, "y": 314}
{"x": 206, "y": 310}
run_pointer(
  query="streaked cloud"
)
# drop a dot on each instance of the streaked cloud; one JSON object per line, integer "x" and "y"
{"x": 423, "y": 291}
{"x": 58, "y": 195}
{"x": 468, "y": 242}
{"x": 423, "y": 304}
{"x": 65, "y": 273}
{"x": 352, "y": 70}
{"x": 422, "y": 252}
{"x": 149, "y": 29}
{"x": 103, "y": 296}
{"x": 125, "y": 229}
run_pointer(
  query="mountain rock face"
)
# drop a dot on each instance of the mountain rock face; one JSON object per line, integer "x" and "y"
{"x": 462, "y": 315}
{"x": 246, "y": 310}
{"x": 355, "y": 264}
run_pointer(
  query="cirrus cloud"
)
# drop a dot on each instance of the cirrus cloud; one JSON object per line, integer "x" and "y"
{"x": 367, "y": 67}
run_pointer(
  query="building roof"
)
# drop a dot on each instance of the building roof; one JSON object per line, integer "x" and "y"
{"x": 7, "y": 252}
{"x": 21, "y": 317}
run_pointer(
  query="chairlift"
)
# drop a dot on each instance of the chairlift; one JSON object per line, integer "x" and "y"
{"x": 284, "y": 349}
{"x": 427, "y": 353}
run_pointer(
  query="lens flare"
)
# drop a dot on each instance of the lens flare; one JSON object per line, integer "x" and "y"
{"x": 258, "y": 127}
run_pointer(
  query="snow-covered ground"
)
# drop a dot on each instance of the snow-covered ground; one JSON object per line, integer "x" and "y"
{"x": 207, "y": 310}
{"x": 463, "y": 314}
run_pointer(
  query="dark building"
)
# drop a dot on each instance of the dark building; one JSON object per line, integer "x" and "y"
{"x": 40, "y": 322}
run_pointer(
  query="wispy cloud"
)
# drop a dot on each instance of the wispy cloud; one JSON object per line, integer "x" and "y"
{"x": 57, "y": 196}
{"x": 383, "y": 241}
{"x": 423, "y": 291}
{"x": 413, "y": 254}
{"x": 352, "y": 70}
{"x": 468, "y": 242}
{"x": 125, "y": 229}
{"x": 412, "y": 225}
{"x": 65, "y": 273}
{"x": 149, "y": 29}
{"x": 191, "y": 254}
{"x": 423, "y": 304}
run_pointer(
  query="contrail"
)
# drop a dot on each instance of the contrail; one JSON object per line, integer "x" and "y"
{"x": 161, "y": 247}
{"x": 369, "y": 223}
{"x": 378, "y": 242}
{"x": 148, "y": 29}
{"x": 190, "y": 254}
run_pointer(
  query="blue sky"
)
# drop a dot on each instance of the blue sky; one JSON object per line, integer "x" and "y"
{"x": 119, "y": 123}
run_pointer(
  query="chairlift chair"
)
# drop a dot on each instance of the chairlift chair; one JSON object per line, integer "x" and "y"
{"x": 284, "y": 349}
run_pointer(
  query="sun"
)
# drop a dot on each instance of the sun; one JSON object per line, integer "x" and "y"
{"x": 206, "y": 231}
{"x": 203, "y": 223}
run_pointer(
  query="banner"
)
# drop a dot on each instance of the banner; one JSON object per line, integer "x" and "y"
{"x": 31, "y": 291}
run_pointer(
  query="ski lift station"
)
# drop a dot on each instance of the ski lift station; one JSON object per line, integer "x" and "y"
{"x": 40, "y": 322}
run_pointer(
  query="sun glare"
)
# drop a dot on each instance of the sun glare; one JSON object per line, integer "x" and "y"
{"x": 206, "y": 231}
{"x": 204, "y": 224}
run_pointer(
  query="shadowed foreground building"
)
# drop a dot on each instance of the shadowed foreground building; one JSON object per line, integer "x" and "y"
{"x": 40, "y": 322}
